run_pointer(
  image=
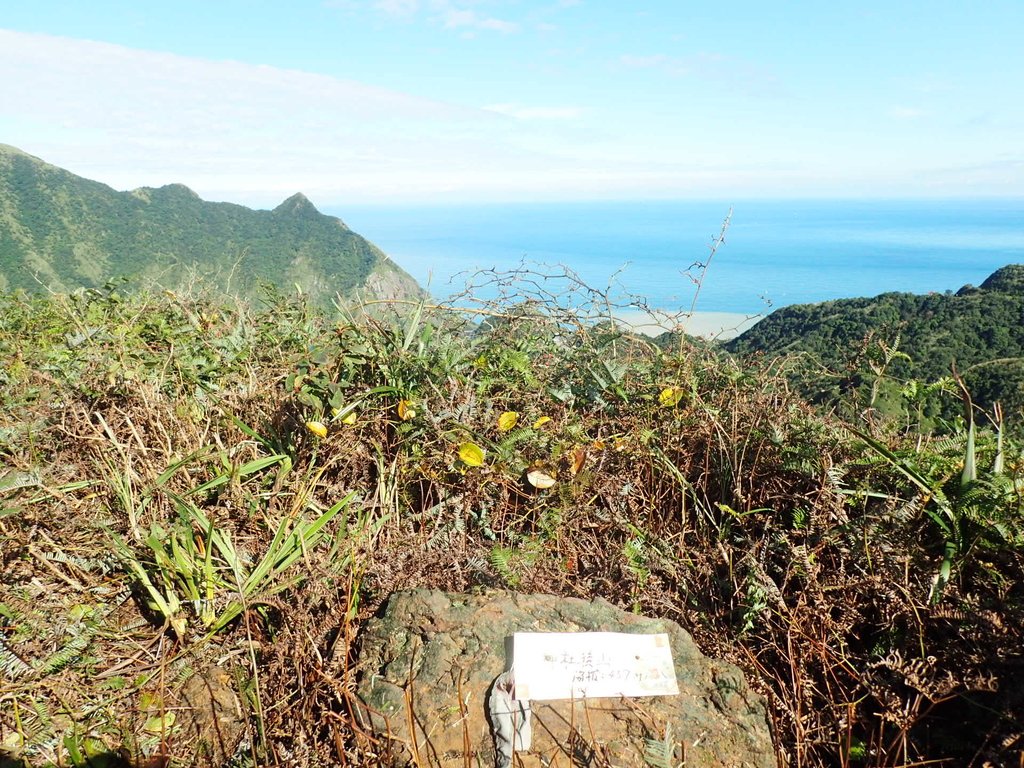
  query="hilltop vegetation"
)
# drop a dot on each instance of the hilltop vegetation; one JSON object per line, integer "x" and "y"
{"x": 188, "y": 481}
{"x": 862, "y": 352}
{"x": 61, "y": 231}
{"x": 203, "y": 493}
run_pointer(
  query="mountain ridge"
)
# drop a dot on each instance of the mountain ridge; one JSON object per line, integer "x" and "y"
{"x": 63, "y": 231}
{"x": 879, "y": 343}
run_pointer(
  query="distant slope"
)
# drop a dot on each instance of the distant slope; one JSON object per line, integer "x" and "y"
{"x": 63, "y": 231}
{"x": 981, "y": 329}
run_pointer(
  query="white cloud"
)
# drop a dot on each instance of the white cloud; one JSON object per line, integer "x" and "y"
{"x": 256, "y": 134}
{"x": 464, "y": 18}
{"x": 448, "y": 14}
{"x": 132, "y": 118}
{"x": 906, "y": 113}
{"x": 632, "y": 61}
{"x": 94, "y": 80}
{"x": 1001, "y": 175}
{"x": 397, "y": 8}
{"x": 520, "y": 112}
{"x": 711, "y": 67}
{"x": 393, "y": 8}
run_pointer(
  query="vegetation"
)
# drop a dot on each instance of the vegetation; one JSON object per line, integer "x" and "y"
{"x": 61, "y": 231}
{"x": 189, "y": 480}
{"x": 895, "y": 353}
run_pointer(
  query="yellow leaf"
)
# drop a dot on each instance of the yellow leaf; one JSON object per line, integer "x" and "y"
{"x": 507, "y": 420}
{"x": 670, "y": 397}
{"x": 472, "y": 455}
{"x": 539, "y": 478}
{"x": 346, "y": 415}
{"x": 317, "y": 428}
{"x": 541, "y": 422}
{"x": 406, "y": 410}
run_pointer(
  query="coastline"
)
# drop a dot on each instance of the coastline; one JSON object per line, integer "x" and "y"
{"x": 777, "y": 253}
{"x": 709, "y": 325}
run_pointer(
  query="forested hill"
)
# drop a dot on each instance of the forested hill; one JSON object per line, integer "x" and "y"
{"x": 62, "y": 231}
{"x": 981, "y": 329}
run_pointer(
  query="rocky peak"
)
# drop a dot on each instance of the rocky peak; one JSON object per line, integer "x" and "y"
{"x": 297, "y": 205}
{"x": 177, "y": 191}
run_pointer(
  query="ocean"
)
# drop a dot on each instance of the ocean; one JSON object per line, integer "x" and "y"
{"x": 775, "y": 253}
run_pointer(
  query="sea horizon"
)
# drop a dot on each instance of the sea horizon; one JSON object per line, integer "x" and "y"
{"x": 775, "y": 252}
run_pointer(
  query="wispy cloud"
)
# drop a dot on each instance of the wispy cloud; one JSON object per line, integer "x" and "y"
{"x": 926, "y": 85}
{"x": 903, "y": 112}
{"x": 709, "y": 66}
{"x": 521, "y": 112}
{"x": 990, "y": 177}
{"x": 660, "y": 60}
{"x": 447, "y": 14}
{"x": 130, "y": 117}
{"x": 399, "y": 8}
{"x": 256, "y": 134}
{"x": 392, "y": 8}
{"x": 465, "y": 18}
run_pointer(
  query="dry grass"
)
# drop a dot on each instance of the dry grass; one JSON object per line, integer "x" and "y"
{"x": 687, "y": 486}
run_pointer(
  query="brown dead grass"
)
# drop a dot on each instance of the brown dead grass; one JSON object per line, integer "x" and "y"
{"x": 727, "y": 512}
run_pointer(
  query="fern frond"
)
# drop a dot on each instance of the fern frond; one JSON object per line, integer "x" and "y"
{"x": 88, "y": 564}
{"x": 36, "y": 726}
{"x": 181, "y": 671}
{"x": 513, "y": 438}
{"x": 67, "y": 654}
{"x": 501, "y": 559}
{"x": 11, "y": 664}
{"x": 661, "y": 753}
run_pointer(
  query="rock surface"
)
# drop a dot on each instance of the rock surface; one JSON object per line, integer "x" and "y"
{"x": 428, "y": 662}
{"x": 210, "y": 717}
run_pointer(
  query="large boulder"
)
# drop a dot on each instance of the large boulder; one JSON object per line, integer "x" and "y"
{"x": 427, "y": 665}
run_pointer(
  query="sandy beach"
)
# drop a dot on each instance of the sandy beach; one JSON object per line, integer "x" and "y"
{"x": 709, "y": 325}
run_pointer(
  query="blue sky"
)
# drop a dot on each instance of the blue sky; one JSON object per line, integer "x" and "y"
{"x": 356, "y": 101}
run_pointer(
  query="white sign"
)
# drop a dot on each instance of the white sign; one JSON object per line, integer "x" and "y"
{"x": 577, "y": 665}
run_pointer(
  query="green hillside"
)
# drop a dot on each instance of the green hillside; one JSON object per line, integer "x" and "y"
{"x": 62, "y": 231}
{"x": 875, "y": 345}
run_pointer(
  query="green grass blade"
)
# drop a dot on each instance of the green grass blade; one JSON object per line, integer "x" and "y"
{"x": 172, "y": 469}
{"x": 970, "y": 473}
{"x": 945, "y": 521}
{"x": 249, "y": 468}
{"x": 410, "y": 331}
{"x": 283, "y": 553}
